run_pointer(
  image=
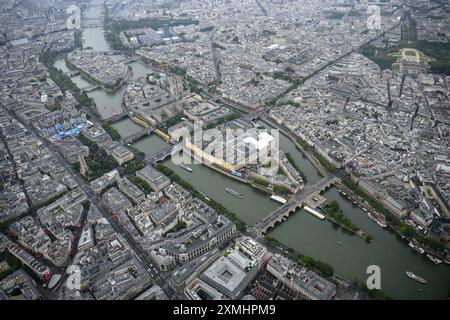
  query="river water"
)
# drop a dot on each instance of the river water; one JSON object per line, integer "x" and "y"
{"x": 303, "y": 232}
{"x": 253, "y": 207}
{"x": 318, "y": 239}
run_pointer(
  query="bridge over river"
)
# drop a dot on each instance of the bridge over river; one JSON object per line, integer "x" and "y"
{"x": 296, "y": 202}
{"x": 91, "y": 88}
{"x": 135, "y": 136}
{"x": 160, "y": 155}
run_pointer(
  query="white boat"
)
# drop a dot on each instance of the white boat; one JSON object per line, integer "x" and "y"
{"x": 188, "y": 169}
{"x": 416, "y": 248}
{"x": 379, "y": 219}
{"x": 314, "y": 212}
{"x": 234, "y": 193}
{"x": 278, "y": 199}
{"x": 434, "y": 259}
{"x": 415, "y": 277}
{"x": 381, "y": 224}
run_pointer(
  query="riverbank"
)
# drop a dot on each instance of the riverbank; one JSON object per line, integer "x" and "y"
{"x": 327, "y": 271}
{"x": 296, "y": 167}
{"x": 291, "y": 136}
{"x": 334, "y": 214}
{"x": 65, "y": 83}
{"x": 197, "y": 193}
{"x": 393, "y": 223}
{"x": 263, "y": 188}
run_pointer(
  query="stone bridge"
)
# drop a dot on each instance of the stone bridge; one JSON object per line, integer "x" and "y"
{"x": 137, "y": 135}
{"x": 116, "y": 117}
{"x": 127, "y": 60}
{"x": 296, "y": 202}
{"x": 91, "y": 88}
{"x": 93, "y": 24}
{"x": 160, "y": 155}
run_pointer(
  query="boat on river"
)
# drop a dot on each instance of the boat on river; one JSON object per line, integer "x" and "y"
{"x": 188, "y": 169}
{"x": 234, "y": 193}
{"x": 415, "y": 277}
{"x": 416, "y": 248}
{"x": 434, "y": 259}
{"x": 278, "y": 199}
{"x": 377, "y": 218}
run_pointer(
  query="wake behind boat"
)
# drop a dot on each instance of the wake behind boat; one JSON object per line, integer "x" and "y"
{"x": 234, "y": 193}
{"x": 415, "y": 277}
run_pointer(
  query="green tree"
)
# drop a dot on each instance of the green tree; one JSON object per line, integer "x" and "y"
{"x": 260, "y": 181}
{"x": 334, "y": 205}
{"x": 407, "y": 230}
{"x": 308, "y": 261}
{"x": 280, "y": 189}
{"x": 324, "y": 268}
{"x": 356, "y": 282}
{"x": 111, "y": 131}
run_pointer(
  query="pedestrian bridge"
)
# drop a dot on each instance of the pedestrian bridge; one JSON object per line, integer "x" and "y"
{"x": 296, "y": 202}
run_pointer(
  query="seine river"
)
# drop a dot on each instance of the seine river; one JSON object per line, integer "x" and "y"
{"x": 301, "y": 231}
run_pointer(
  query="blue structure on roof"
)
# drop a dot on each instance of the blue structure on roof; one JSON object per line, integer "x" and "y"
{"x": 72, "y": 132}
